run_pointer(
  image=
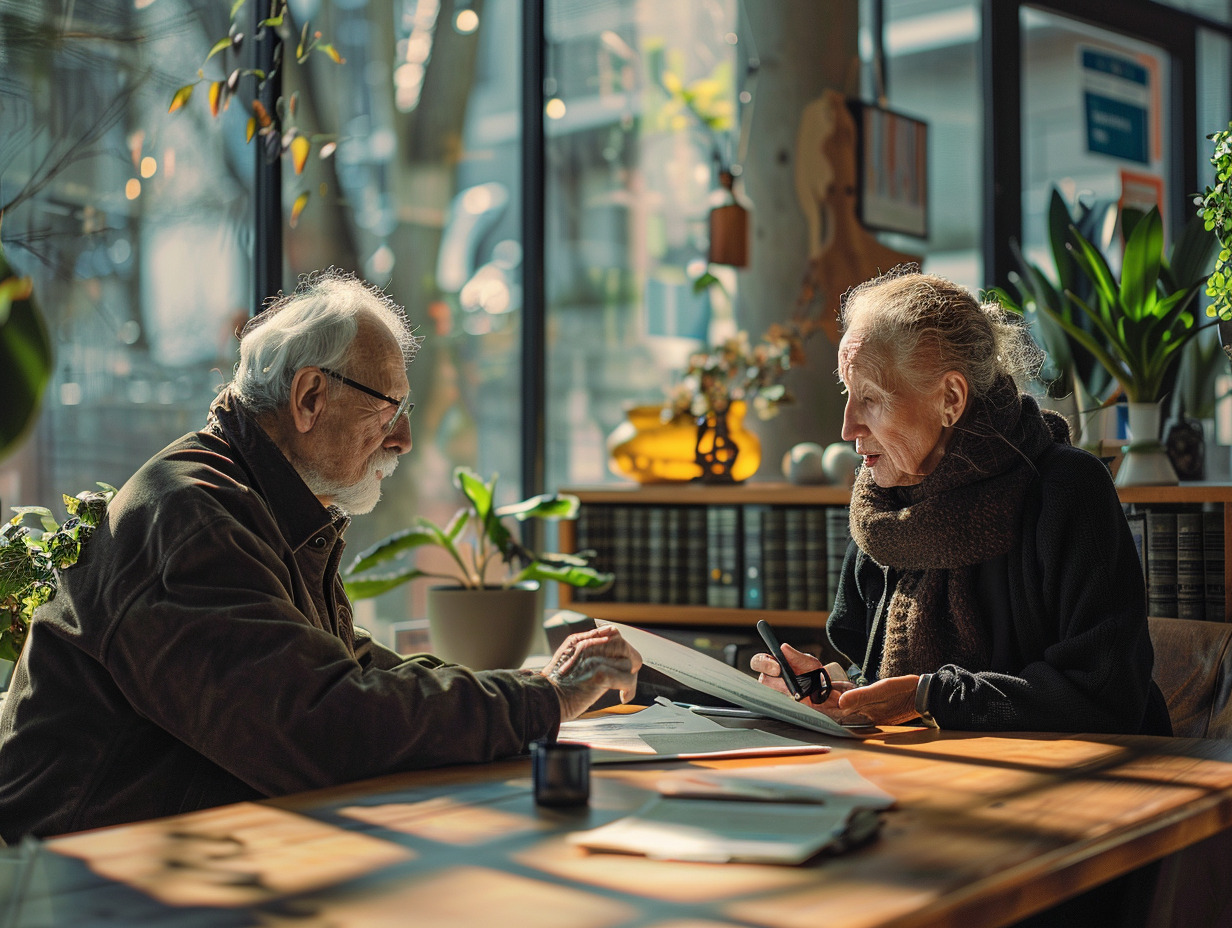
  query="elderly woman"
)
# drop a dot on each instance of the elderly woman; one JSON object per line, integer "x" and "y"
{"x": 991, "y": 583}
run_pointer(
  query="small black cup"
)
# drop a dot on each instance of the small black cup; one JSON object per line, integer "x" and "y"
{"x": 561, "y": 771}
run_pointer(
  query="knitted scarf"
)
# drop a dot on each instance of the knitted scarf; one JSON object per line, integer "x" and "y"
{"x": 964, "y": 512}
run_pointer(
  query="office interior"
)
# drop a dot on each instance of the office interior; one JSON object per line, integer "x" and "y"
{"x": 532, "y": 179}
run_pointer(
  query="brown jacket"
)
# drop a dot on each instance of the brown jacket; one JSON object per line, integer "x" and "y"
{"x": 202, "y": 652}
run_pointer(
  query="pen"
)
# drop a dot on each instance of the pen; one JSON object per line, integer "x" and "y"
{"x": 776, "y": 651}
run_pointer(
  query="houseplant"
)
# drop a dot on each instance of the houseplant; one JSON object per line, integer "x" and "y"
{"x": 29, "y": 562}
{"x": 1141, "y": 323}
{"x": 475, "y": 620}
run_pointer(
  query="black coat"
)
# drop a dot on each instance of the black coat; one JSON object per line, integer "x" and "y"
{"x": 201, "y": 652}
{"x": 1065, "y": 614}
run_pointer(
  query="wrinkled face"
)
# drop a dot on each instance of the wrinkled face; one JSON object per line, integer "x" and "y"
{"x": 898, "y": 433}
{"x": 351, "y": 452}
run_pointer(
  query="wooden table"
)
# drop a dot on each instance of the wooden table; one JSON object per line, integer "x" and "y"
{"x": 987, "y": 829}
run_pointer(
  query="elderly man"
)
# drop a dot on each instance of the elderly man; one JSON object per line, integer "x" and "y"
{"x": 202, "y": 652}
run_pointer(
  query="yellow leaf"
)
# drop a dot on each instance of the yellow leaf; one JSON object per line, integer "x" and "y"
{"x": 252, "y": 130}
{"x": 215, "y": 97}
{"x": 332, "y": 52}
{"x": 300, "y": 147}
{"x": 298, "y": 207}
{"x": 182, "y": 96}
{"x": 672, "y": 82}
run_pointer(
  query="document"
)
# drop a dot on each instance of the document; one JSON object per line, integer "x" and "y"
{"x": 780, "y": 814}
{"x": 717, "y": 679}
{"x": 665, "y": 731}
{"x": 720, "y": 831}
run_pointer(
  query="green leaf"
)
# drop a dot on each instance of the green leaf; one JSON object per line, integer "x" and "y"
{"x": 1140, "y": 266}
{"x": 369, "y": 586}
{"x": 25, "y": 359}
{"x": 218, "y": 46}
{"x": 181, "y": 97}
{"x": 393, "y": 546}
{"x": 546, "y": 506}
{"x": 235, "y": 7}
{"x": 565, "y": 573}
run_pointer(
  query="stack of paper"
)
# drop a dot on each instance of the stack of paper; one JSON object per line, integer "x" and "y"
{"x": 778, "y": 814}
{"x": 668, "y": 732}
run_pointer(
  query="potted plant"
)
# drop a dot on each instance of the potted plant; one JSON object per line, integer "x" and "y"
{"x": 29, "y": 563}
{"x": 1143, "y": 321}
{"x": 473, "y": 620}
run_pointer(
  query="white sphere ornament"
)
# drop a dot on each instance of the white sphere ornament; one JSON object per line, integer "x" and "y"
{"x": 803, "y": 464}
{"x": 839, "y": 462}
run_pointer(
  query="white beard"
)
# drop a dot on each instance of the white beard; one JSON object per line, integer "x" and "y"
{"x": 359, "y": 497}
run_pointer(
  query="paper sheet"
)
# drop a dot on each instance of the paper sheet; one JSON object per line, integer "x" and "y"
{"x": 665, "y": 731}
{"x": 835, "y": 782}
{"x": 719, "y": 831}
{"x": 717, "y": 679}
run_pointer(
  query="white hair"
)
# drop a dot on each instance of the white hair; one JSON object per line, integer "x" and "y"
{"x": 315, "y": 325}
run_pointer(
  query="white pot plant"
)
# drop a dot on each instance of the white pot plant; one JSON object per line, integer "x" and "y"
{"x": 1140, "y": 323}
{"x": 473, "y": 621}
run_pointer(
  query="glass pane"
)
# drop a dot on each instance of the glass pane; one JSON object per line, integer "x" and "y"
{"x": 932, "y": 73}
{"x": 132, "y": 223}
{"x": 638, "y": 116}
{"x": 422, "y": 197}
{"x": 1094, "y": 118}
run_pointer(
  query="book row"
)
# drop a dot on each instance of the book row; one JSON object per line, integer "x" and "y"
{"x": 1182, "y": 553}
{"x": 750, "y": 556}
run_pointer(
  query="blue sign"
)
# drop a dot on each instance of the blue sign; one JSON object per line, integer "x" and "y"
{"x": 1116, "y": 128}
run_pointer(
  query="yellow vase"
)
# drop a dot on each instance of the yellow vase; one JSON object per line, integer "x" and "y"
{"x": 649, "y": 450}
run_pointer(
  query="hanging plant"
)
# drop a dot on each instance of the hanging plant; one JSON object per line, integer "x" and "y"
{"x": 276, "y": 129}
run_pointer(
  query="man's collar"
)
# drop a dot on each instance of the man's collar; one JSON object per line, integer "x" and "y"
{"x": 299, "y": 513}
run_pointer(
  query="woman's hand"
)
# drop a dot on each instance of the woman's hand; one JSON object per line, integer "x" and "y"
{"x": 770, "y": 675}
{"x": 590, "y": 663}
{"x": 887, "y": 702}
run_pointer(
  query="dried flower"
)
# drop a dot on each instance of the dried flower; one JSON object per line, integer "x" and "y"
{"x": 736, "y": 370}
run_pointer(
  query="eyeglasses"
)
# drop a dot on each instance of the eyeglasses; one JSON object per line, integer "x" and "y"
{"x": 403, "y": 406}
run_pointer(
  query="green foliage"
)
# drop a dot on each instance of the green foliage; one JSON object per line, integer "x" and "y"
{"x": 1137, "y": 326}
{"x": 25, "y": 357}
{"x": 475, "y": 537}
{"x": 1215, "y": 208}
{"x": 29, "y": 561}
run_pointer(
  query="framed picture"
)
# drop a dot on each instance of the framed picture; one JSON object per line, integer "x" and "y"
{"x": 892, "y": 174}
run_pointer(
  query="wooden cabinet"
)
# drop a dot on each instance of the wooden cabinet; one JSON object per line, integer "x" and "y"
{"x": 783, "y": 494}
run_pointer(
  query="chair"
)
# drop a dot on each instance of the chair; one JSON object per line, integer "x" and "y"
{"x": 1193, "y": 667}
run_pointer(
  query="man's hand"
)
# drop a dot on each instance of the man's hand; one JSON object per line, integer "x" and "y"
{"x": 589, "y": 664}
{"x": 771, "y": 675}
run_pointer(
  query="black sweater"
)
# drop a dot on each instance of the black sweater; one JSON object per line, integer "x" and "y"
{"x": 1065, "y": 611}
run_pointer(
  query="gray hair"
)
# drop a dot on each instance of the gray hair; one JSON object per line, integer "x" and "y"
{"x": 315, "y": 325}
{"x": 915, "y": 327}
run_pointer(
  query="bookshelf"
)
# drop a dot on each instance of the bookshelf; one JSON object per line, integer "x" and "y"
{"x": 785, "y": 494}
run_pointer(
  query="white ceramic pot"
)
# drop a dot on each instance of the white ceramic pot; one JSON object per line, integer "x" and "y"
{"x": 487, "y": 629}
{"x": 1146, "y": 462}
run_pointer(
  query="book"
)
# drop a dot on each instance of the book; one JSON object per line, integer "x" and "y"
{"x": 838, "y": 535}
{"x": 794, "y": 559}
{"x": 754, "y": 537}
{"x": 1213, "y": 561}
{"x": 774, "y": 547}
{"x": 622, "y": 553}
{"x": 697, "y": 578}
{"x": 1190, "y": 566}
{"x": 656, "y": 554}
{"x": 724, "y": 556}
{"x": 1161, "y": 562}
{"x": 677, "y": 557}
{"x": 815, "y": 559}
{"x": 639, "y": 555}
{"x": 1137, "y": 531}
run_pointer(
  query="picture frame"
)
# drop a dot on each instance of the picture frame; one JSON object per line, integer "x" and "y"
{"x": 891, "y": 170}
